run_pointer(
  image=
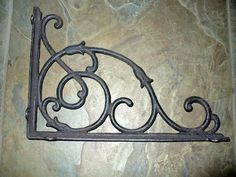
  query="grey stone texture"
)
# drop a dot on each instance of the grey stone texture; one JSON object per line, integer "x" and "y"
{"x": 182, "y": 45}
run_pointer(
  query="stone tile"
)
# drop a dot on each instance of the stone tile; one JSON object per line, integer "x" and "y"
{"x": 175, "y": 46}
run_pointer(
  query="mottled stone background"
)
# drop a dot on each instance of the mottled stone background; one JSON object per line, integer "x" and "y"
{"x": 182, "y": 45}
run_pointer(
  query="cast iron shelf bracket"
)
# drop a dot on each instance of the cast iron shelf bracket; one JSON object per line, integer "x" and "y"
{"x": 66, "y": 133}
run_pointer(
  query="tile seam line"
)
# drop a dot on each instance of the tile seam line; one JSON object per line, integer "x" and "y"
{"x": 233, "y": 62}
{"x": 5, "y": 60}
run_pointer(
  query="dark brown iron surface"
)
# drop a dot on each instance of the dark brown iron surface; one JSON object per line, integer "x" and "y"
{"x": 65, "y": 132}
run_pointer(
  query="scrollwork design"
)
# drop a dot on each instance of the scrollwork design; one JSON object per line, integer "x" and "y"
{"x": 60, "y": 102}
{"x": 58, "y": 24}
{"x": 55, "y": 123}
{"x": 110, "y": 107}
{"x": 188, "y": 108}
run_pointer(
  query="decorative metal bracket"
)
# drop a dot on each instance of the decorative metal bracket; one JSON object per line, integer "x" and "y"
{"x": 65, "y": 132}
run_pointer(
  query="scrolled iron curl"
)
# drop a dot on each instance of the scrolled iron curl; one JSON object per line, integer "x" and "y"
{"x": 82, "y": 94}
{"x": 188, "y": 107}
{"x": 58, "y": 103}
{"x": 109, "y": 109}
{"x": 58, "y": 24}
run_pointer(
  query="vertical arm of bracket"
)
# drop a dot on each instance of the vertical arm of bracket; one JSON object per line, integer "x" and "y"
{"x": 31, "y": 112}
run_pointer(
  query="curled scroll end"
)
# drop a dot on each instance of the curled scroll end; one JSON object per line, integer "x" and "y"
{"x": 188, "y": 107}
{"x": 82, "y": 93}
{"x": 58, "y": 24}
{"x": 56, "y": 107}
